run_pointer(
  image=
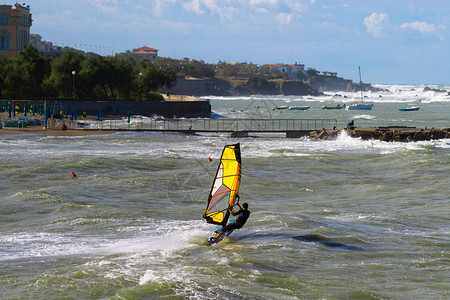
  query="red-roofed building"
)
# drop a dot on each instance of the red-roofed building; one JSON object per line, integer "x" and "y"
{"x": 146, "y": 52}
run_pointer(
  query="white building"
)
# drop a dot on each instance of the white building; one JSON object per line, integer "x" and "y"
{"x": 288, "y": 68}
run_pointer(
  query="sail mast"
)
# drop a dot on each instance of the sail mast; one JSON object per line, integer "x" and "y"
{"x": 360, "y": 83}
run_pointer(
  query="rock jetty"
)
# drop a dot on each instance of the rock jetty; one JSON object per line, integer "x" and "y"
{"x": 388, "y": 134}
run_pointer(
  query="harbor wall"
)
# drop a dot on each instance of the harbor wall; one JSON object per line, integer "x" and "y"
{"x": 167, "y": 109}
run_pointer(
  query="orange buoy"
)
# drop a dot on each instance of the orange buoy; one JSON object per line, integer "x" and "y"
{"x": 74, "y": 175}
{"x": 209, "y": 158}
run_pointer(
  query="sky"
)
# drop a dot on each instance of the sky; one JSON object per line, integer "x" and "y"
{"x": 393, "y": 41}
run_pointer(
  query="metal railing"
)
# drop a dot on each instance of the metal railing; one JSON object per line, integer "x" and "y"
{"x": 211, "y": 125}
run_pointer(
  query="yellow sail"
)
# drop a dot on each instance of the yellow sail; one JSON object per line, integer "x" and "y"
{"x": 225, "y": 186}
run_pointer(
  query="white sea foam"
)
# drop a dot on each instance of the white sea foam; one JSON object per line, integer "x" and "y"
{"x": 342, "y": 143}
{"x": 162, "y": 238}
{"x": 443, "y": 143}
{"x": 388, "y": 94}
{"x": 133, "y": 145}
{"x": 364, "y": 117}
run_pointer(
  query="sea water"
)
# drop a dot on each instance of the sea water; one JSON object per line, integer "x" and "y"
{"x": 337, "y": 219}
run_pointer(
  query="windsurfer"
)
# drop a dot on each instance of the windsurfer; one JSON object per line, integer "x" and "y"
{"x": 242, "y": 214}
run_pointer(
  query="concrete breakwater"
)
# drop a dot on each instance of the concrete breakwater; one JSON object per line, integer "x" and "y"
{"x": 388, "y": 134}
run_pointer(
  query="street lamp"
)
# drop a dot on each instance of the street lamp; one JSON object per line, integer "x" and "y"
{"x": 140, "y": 85}
{"x": 73, "y": 76}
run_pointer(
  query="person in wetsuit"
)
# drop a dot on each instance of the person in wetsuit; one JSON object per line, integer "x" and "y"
{"x": 350, "y": 125}
{"x": 242, "y": 214}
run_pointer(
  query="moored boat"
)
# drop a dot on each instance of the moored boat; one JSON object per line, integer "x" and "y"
{"x": 359, "y": 106}
{"x": 412, "y": 108}
{"x": 332, "y": 107}
{"x": 280, "y": 107}
{"x": 298, "y": 107}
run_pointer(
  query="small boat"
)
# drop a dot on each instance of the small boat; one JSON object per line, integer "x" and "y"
{"x": 332, "y": 107}
{"x": 412, "y": 108}
{"x": 298, "y": 107}
{"x": 280, "y": 107}
{"x": 359, "y": 106}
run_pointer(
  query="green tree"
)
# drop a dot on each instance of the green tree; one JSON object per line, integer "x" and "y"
{"x": 4, "y": 67}
{"x": 300, "y": 75}
{"x": 152, "y": 78}
{"x": 12, "y": 83}
{"x": 261, "y": 84}
{"x": 227, "y": 70}
{"x": 36, "y": 69}
{"x": 279, "y": 75}
{"x": 25, "y": 74}
{"x": 311, "y": 72}
{"x": 95, "y": 74}
{"x": 122, "y": 77}
{"x": 61, "y": 82}
{"x": 265, "y": 70}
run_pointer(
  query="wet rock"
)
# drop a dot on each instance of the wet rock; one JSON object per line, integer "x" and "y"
{"x": 420, "y": 136}
{"x": 428, "y": 89}
{"x": 387, "y": 134}
{"x": 399, "y": 134}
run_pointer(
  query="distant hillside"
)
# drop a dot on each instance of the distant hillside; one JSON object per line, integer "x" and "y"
{"x": 200, "y": 78}
{"x": 240, "y": 87}
{"x": 336, "y": 84}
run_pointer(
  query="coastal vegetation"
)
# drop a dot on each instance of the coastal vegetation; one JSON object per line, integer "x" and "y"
{"x": 243, "y": 70}
{"x": 126, "y": 76}
{"x": 191, "y": 68}
{"x": 76, "y": 75}
{"x": 262, "y": 84}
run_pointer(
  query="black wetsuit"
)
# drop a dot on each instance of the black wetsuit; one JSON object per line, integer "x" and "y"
{"x": 243, "y": 215}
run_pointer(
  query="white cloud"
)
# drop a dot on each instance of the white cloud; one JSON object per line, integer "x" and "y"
{"x": 283, "y": 18}
{"x": 104, "y": 2}
{"x": 234, "y": 9}
{"x": 261, "y": 10}
{"x": 224, "y": 9}
{"x": 379, "y": 25}
{"x": 194, "y": 6}
{"x": 420, "y": 26}
{"x": 258, "y": 2}
{"x": 160, "y": 4}
{"x": 297, "y": 7}
{"x": 424, "y": 28}
{"x": 107, "y": 6}
{"x": 376, "y": 23}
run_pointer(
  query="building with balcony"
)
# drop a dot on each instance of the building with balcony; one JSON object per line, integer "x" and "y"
{"x": 288, "y": 68}
{"x": 15, "y": 23}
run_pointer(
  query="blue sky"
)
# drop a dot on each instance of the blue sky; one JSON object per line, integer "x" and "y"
{"x": 394, "y": 41}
